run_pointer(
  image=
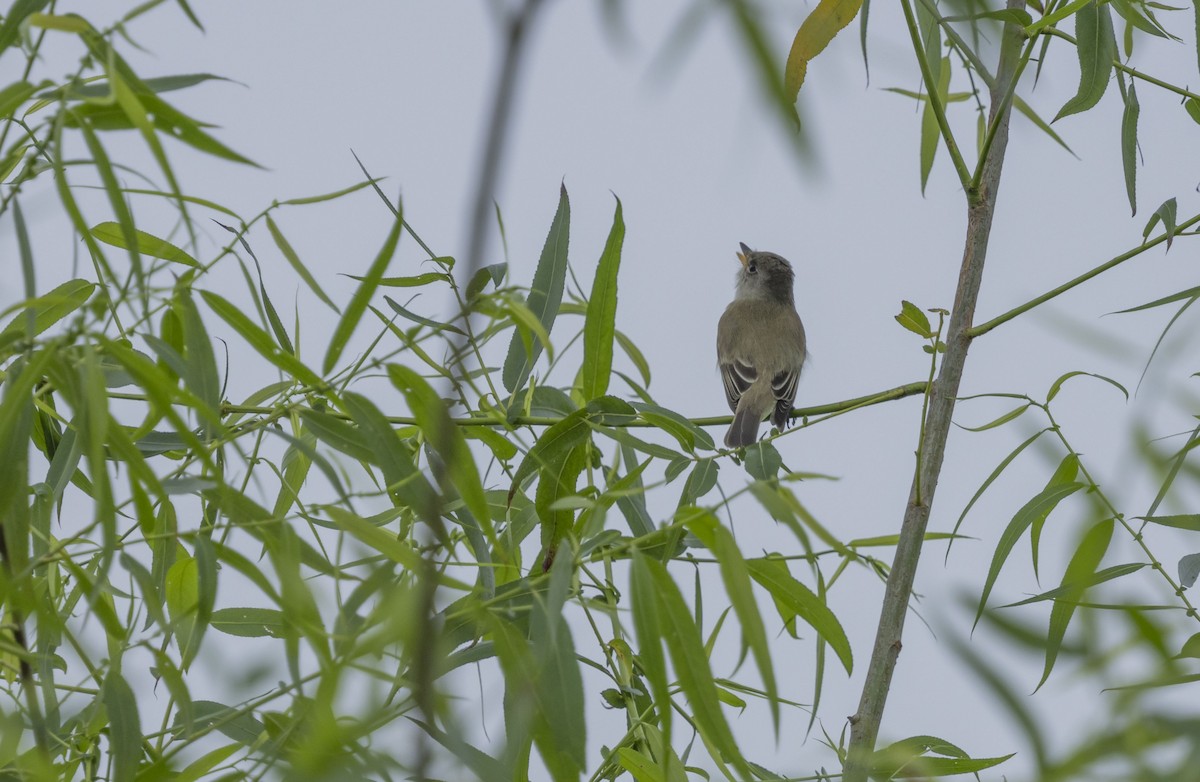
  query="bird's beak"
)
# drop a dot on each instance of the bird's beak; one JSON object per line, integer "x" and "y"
{"x": 742, "y": 256}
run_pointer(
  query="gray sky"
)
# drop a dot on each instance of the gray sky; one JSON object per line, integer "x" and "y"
{"x": 700, "y": 164}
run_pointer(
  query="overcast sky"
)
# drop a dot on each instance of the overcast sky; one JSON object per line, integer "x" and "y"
{"x": 700, "y": 164}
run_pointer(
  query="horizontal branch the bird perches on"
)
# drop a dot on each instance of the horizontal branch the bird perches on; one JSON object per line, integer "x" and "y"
{"x": 899, "y": 392}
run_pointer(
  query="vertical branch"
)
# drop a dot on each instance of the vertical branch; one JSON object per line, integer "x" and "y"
{"x": 425, "y": 662}
{"x": 864, "y": 725}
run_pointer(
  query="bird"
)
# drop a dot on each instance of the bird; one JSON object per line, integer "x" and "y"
{"x": 760, "y": 346}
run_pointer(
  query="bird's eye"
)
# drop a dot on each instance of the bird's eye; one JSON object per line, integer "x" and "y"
{"x": 752, "y": 268}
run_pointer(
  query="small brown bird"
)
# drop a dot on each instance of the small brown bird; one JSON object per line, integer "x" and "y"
{"x": 760, "y": 346}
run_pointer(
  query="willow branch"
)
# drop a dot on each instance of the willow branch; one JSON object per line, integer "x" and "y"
{"x": 999, "y": 320}
{"x": 864, "y": 725}
{"x": 891, "y": 394}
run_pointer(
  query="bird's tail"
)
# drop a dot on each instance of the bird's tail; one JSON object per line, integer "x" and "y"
{"x": 750, "y": 411}
{"x": 743, "y": 431}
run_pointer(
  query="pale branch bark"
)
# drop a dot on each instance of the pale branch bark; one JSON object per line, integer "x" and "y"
{"x": 864, "y": 725}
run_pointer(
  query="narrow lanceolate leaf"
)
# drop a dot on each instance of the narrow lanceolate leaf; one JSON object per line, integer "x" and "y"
{"x": 285, "y": 247}
{"x": 691, "y": 665}
{"x": 1077, "y": 576}
{"x": 815, "y": 33}
{"x": 1064, "y": 475}
{"x": 362, "y": 297}
{"x": 1166, "y": 213}
{"x": 1129, "y": 123}
{"x": 800, "y": 601}
{"x": 1038, "y": 507}
{"x": 931, "y": 134}
{"x": 114, "y": 234}
{"x": 124, "y": 727}
{"x": 201, "y": 376}
{"x": 601, "y": 324}
{"x": 544, "y": 296}
{"x": 48, "y": 309}
{"x": 736, "y": 576}
{"x": 553, "y": 446}
{"x": 1073, "y": 590}
{"x": 445, "y": 437}
{"x": 260, "y": 340}
{"x": 404, "y": 481}
{"x": 1097, "y": 48}
{"x": 648, "y": 624}
{"x": 565, "y": 744}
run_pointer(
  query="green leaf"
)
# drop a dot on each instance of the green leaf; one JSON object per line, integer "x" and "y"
{"x": 818, "y": 29}
{"x": 1037, "y": 508}
{"x": 15, "y": 16}
{"x": 237, "y": 724}
{"x": 558, "y": 480}
{"x": 338, "y": 434}
{"x": 544, "y": 296}
{"x": 1073, "y": 590}
{"x": 1058, "y": 384}
{"x": 261, "y": 341}
{"x": 386, "y": 543}
{"x": 600, "y": 326}
{"x": 1097, "y": 48}
{"x": 362, "y": 297}
{"x": 1165, "y": 213}
{"x": 906, "y": 759}
{"x": 700, "y": 481}
{"x": 1056, "y": 16}
{"x": 404, "y": 481}
{"x": 1190, "y": 294}
{"x": 124, "y": 726}
{"x": 285, "y": 247}
{"x": 690, "y": 436}
{"x": 648, "y": 623}
{"x": 113, "y": 234}
{"x": 1080, "y": 570}
{"x": 48, "y": 309}
{"x": 912, "y": 318}
{"x": 691, "y": 666}
{"x": 559, "y": 680}
{"x": 409, "y": 282}
{"x": 183, "y": 604}
{"x": 553, "y": 446}
{"x": 415, "y": 318}
{"x": 200, "y": 368}
{"x": 1192, "y": 106}
{"x": 800, "y": 601}
{"x": 931, "y": 134}
{"x": 763, "y": 460}
{"x": 445, "y": 437}
{"x": 735, "y": 574}
{"x": 1188, "y": 521}
{"x": 493, "y": 273}
{"x": 1129, "y": 121}
{"x": 250, "y": 622}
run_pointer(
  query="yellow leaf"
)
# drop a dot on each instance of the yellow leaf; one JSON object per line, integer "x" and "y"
{"x": 826, "y": 20}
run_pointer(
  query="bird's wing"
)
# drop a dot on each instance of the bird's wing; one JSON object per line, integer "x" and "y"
{"x": 737, "y": 377}
{"x": 784, "y": 386}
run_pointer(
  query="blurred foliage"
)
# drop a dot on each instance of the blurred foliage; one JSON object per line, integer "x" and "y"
{"x": 288, "y": 584}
